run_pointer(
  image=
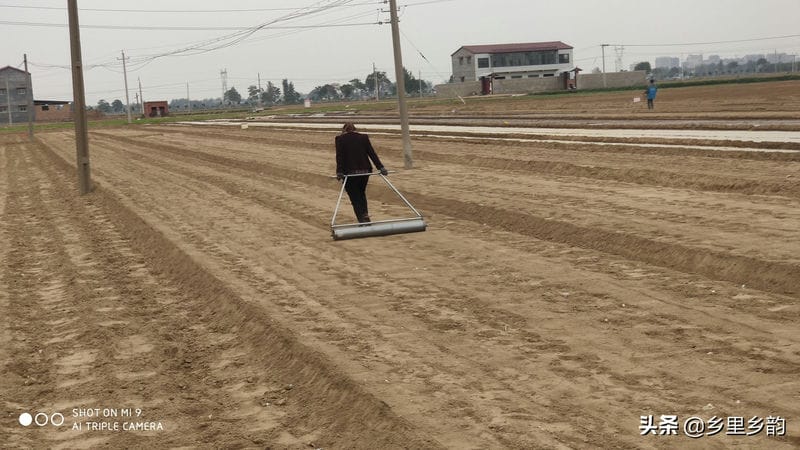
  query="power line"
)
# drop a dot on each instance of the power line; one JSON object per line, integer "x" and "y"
{"x": 182, "y": 11}
{"x": 208, "y": 45}
{"x": 177, "y": 28}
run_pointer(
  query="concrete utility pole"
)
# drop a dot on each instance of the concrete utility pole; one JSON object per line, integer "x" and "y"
{"x": 125, "y": 76}
{"x": 776, "y": 61}
{"x": 79, "y": 101}
{"x": 188, "y": 100}
{"x": 401, "y": 86}
{"x": 375, "y": 80}
{"x": 420, "y": 84}
{"x": 603, "y": 46}
{"x": 29, "y": 91}
{"x": 141, "y": 97}
{"x": 224, "y": 76}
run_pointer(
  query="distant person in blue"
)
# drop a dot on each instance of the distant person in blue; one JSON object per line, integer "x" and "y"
{"x": 650, "y": 92}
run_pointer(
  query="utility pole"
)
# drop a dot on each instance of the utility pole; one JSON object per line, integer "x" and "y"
{"x": 259, "y": 89}
{"x": 141, "y": 97}
{"x": 420, "y": 84}
{"x": 401, "y": 86}
{"x": 375, "y": 80}
{"x": 603, "y": 46}
{"x": 136, "y": 94}
{"x": 125, "y": 76}
{"x": 188, "y": 100}
{"x": 776, "y": 61}
{"x": 79, "y": 101}
{"x": 29, "y": 94}
{"x": 224, "y": 75}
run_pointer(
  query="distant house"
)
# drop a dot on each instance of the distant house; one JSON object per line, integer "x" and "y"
{"x": 504, "y": 61}
{"x": 156, "y": 109}
{"x": 14, "y": 96}
{"x": 52, "y": 110}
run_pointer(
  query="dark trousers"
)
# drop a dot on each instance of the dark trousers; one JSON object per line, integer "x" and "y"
{"x": 356, "y": 188}
{"x": 649, "y": 103}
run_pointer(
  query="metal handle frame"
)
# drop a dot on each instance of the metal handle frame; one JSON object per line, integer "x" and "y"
{"x": 388, "y": 183}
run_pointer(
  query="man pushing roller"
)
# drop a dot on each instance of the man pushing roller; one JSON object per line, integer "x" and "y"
{"x": 353, "y": 154}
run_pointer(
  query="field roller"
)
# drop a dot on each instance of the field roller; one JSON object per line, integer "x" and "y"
{"x": 378, "y": 227}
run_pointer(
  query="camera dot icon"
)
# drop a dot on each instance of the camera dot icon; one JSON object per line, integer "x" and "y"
{"x": 25, "y": 419}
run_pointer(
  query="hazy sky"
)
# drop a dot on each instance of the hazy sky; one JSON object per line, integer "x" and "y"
{"x": 314, "y": 56}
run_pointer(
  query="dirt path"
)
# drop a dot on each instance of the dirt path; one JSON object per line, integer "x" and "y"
{"x": 560, "y": 292}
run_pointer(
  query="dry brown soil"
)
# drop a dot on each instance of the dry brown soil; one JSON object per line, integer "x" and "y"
{"x": 560, "y": 292}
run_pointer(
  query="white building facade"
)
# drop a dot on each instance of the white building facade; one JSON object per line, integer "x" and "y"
{"x": 507, "y": 61}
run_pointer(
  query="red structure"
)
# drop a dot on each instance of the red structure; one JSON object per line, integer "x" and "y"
{"x": 156, "y": 109}
{"x": 486, "y": 85}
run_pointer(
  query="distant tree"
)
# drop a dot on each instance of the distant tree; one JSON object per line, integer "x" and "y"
{"x": 644, "y": 65}
{"x": 357, "y": 84}
{"x": 384, "y": 84}
{"x": 597, "y": 70}
{"x": 271, "y": 95}
{"x": 762, "y": 64}
{"x": 327, "y": 92}
{"x": 233, "y": 96}
{"x": 118, "y": 106}
{"x": 252, "y": 94}
{"x": 347, "y": 90}
{"x": 290, "y": 96}
{"x": 411, "y": 83}
{"x": 103, "y": 107}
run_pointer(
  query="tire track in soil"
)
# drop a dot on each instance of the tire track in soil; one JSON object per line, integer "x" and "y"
{"x": 348, "y": 337}
{"x": 234, "y": 260}
{"x": 666, "y": 321}
{"x": 583, "y": 143}
{"x": 206, "y": 369}
{"x": 622, "y": 207}
{"x": 776, "y": 277}
{"x": 607, "y": 204}
{"x": 290, "y": 208}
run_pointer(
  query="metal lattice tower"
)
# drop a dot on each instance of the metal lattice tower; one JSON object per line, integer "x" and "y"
{"x": 618, "y": 50}
{"x": 224, "y": 75}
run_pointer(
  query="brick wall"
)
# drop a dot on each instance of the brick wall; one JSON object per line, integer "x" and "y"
{"x": 531, "y": 85}
{"x": 520, "y": 85}
{"x": 53, "y": 113}
{"x": 613, "y": 79}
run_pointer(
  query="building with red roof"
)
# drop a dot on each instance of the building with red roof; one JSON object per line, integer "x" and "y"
{"x": 506, "y": 61}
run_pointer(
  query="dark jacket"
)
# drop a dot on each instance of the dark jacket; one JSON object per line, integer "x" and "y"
{"x": 353, "y": 152}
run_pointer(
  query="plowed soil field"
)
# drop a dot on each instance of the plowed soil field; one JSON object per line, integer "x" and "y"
{"x": 561, "y": 292}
